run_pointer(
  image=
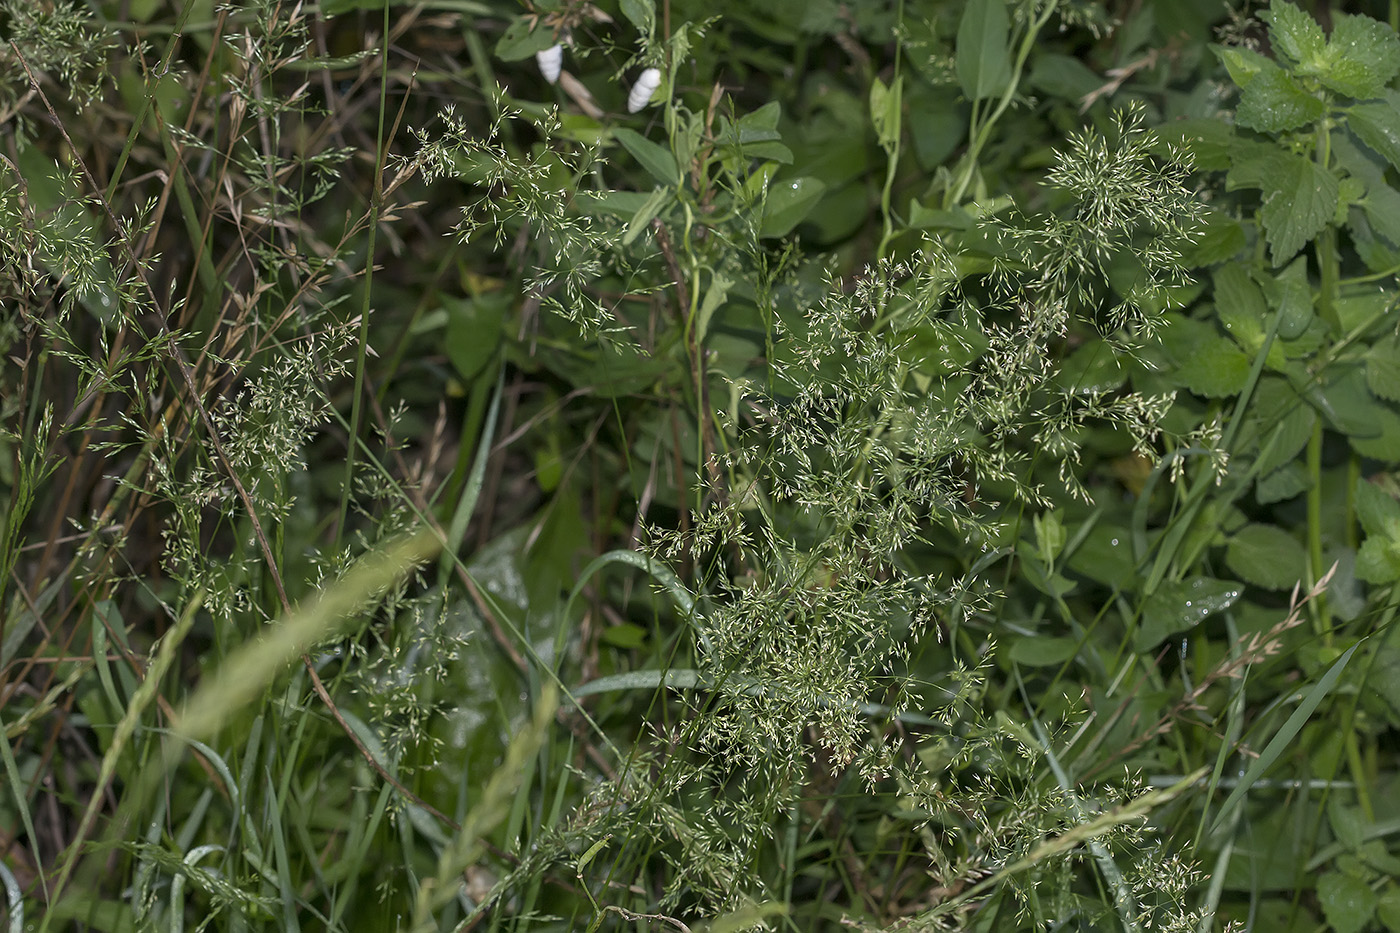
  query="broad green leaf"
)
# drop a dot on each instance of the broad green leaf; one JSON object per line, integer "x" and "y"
{"x": 1385, "y": 673}
{"x": 1294, "y": 33}
{"x": 789, "y": 201}
{"x": 1222, "y": 238}
{"x": 1377, "y": 124}
{"x": 1362, "y": 310}
{"x": 1292, "y": 297}
{"x": 1279, "y": 410}
{"x": 1180, "y": 606}
{"x": 983, "y": 65}
{"x": 474, "y": 330}
{"x": 1094, "y": 368}
{"x": 1383, "y": 368}
{"x": 625, "y": 636}
{"x": 1346, "y": 823}
{"x": 1282, "y": 484}
{"x": 1043, "y": 652}
{"x": 1274, "y": 102}
{"x": 1363, "y": 56}
{"x": 1064, "y": 76}
{"x": 1378, "y": 512}
{"x": 1388, "y": 907}
{"x": 646, "y": 213}
{"x": 1209, "y": 142}
{"x": 1255, "y": 164}
{"x": 885, "y": 111}
{"x": 1382, "y": 207}
{"x": 1244, "y": 65}
{"x": 1298, "y": 208}
{"x": 1106, "y": 556}
{"x": 624, "y": 204}
{"x": 640, "y": 13}
{"x": 1385, "y": 445}
{"x": 1235, "y": 290}
{"x": 659, "y": 161}
{"x": 1266, "y": 556}
{"x": 1347, "y": 902}
{"x": 523, "y": 38}
{"x": 1346, "y": 403}
{"x": 1216, "y": 370}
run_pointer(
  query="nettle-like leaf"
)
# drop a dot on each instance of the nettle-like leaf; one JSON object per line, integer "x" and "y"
{"x": 1300, "y": 204}
{"x": 1383, "y": 368}
{"x": 1275, "y": 102}
{"x": 1243, "y": 64}
{"x": 1180, "y": 606}
{"x": 1266, "y": 556}
{"x": 1378, "y": 561}
{"x": 1296, "y": 35}
{"x": 1363, "y": 55}
{"x": 1377, "y": 124}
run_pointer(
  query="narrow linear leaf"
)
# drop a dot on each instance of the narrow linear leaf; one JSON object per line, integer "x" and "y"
{"x": 1284, "y": 737}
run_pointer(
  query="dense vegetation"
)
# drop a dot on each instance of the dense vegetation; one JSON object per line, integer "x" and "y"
{"x": 930, "y": 465}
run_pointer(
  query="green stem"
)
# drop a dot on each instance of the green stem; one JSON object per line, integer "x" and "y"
{"x": 1321, "y": 616}
{"x": 982, "y": 133}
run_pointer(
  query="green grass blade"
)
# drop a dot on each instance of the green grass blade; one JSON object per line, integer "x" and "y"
{"x": 1284, "y": 737}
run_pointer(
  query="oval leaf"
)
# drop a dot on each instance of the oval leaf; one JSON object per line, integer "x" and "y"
{"x": 1266, "y": 556}
{"x": 788, "y": 203}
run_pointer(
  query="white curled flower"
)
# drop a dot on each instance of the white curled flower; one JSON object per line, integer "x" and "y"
{"x": 647, "y": 83}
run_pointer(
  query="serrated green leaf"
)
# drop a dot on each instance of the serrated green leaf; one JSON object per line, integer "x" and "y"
{"x": 1254, "y": 164}
{"x": 1216, "y": 370}
{"x": 1280, "y": 411}
{"x": 1275, "y": 102}
{"x": 1383, "y": 368}
{"x": 1298, "y": 208}
{"x": 1292, "y": 298}
{"x": 1208, "y": 141}
{"x": 659, "y": 161}
{"x": 1377, "y": 124}
{"x": 1347, "y": 404}
{"x": 1347, "y": 902}
{"x": 1294, "y": 33}
{"x": 1244, "y": 65}
{"x": 1363, "y": 55}
{"x": 1266, "y": 556}
{"x": 1385, "y": 444}
{"x": 1180, "y": 606}
{"x": 1282, "y": 484}
{"x": 1234, "y": 289}
{"x": 1378, "y": 561}
{"x": 983, "y": 66}
{"x": 788, "y": 202}
{"x": 1223, "y": 238}
{"x": 1382, "y": 207}
{"x": 1378, "y": 512}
